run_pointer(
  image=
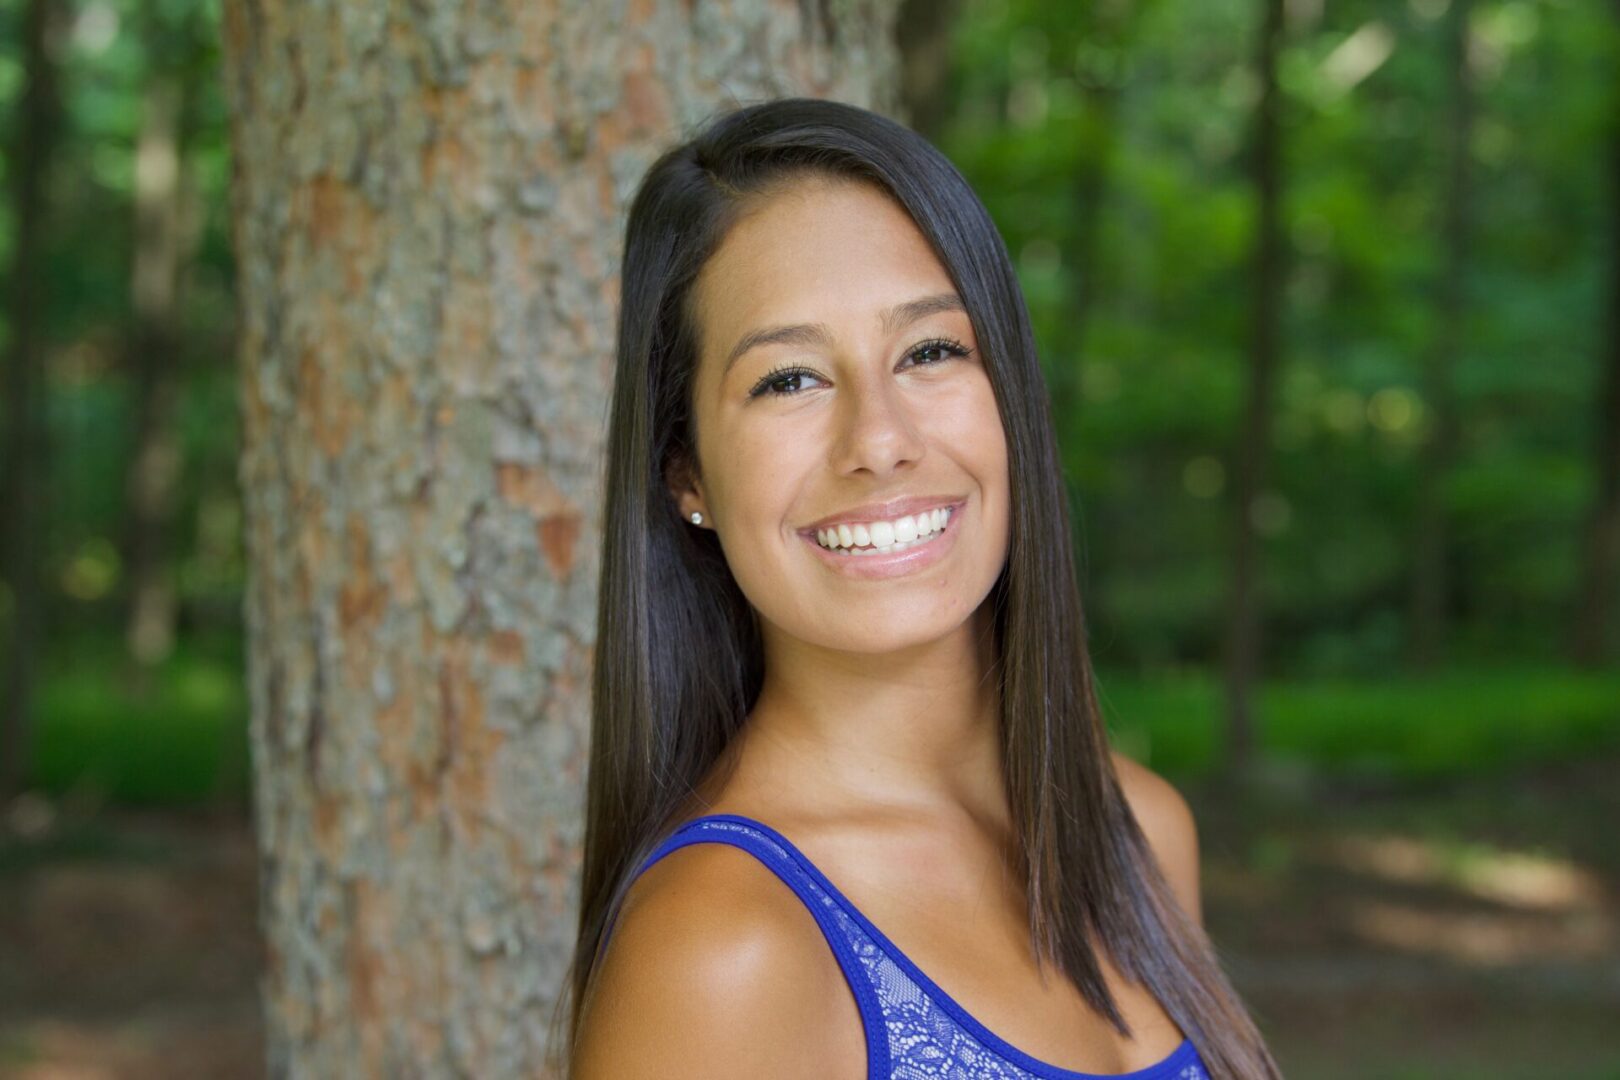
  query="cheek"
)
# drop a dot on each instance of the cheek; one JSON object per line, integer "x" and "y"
{"x": 970, "y": 424}
{"x": 978, "y": 442}
{"x": 757, "y": 469}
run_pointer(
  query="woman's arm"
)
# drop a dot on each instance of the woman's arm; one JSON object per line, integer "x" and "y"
{"x": 1168, "y": 823}
{"x": 714, "y": 971}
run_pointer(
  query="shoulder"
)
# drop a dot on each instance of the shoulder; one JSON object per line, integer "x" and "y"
{"x": 1167, "y": 822}
{"x": 714, "y": 969}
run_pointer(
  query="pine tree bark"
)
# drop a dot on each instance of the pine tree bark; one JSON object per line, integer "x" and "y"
{"x": 429, "y": 202}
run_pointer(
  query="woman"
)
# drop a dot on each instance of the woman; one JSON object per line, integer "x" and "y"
{"x": 850, "y": 795}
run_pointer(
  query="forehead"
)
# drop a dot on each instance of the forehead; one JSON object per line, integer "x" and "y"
{"x": 837, "y": 252}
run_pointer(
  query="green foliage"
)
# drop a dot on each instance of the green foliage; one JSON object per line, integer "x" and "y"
{"x": 117, "y": 53}
{"x": 1403, "y": 727}
{"x": 185, "y": 741}
{"x": 180, "y": 739}
{"x": 1111, "y": 143}
{"x": 1158, "y": 99}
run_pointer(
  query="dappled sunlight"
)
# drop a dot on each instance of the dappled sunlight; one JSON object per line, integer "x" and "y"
{"x": 1514, "y": 878}
{"x": 1541, "y": 908}
{"x": 1356, "y": 57}
{"x": 1483, "y": 938}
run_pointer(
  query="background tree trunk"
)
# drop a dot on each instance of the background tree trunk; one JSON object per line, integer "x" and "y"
{"x": 925, "y": 63}
{"x": 165, "y": 234}
{"x": 1097, "y": 63}
{"x": 1431, "y": 569}
{"x": 24, "y": 484}
{"x": 1600, "y": 562}
{"x": 429, "y": 204}
{"x": 1253, "y": 441}
{"x": 1098, "y": 59}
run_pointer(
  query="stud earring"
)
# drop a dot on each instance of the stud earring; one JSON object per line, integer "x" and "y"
{"x": 697, "y": 518}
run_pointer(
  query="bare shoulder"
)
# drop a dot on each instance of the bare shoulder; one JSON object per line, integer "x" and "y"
{"x": 714, "y": 969}
{"x": 1168, "y": 823}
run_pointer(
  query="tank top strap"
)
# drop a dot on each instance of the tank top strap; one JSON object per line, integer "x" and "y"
{"x": 913, "y": 1027}
{"x": 843, "y": 935}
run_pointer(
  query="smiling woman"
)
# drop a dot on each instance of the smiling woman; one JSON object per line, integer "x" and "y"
{"x": 851, "y": 805}
{"x": 879, "y": 424}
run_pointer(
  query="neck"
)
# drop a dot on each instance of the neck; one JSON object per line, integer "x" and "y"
{"x": 911, "y": 732}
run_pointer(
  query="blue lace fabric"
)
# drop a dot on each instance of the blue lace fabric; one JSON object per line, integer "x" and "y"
{"x": 914, "y": 1030}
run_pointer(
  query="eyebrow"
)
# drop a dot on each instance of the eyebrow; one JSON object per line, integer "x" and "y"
{"x": 896, "y": 318}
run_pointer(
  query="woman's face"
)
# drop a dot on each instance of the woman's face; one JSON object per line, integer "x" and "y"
{"x": 852, "y": 406}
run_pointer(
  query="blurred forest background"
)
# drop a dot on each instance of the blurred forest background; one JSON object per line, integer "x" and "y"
{"x": 1352, "y": 265}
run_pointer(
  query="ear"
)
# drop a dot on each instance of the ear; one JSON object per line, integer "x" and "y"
{"x": 686, "y": 489}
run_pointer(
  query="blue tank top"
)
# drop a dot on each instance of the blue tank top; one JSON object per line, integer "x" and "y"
{"x": 914, "y": 1030}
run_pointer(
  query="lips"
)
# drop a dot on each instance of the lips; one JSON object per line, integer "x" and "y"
{"x": 891, "y": 564}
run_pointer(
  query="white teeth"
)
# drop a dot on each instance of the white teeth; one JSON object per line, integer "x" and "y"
{"x": 877, "y": 537}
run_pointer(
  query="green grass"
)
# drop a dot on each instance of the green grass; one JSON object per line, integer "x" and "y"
{"x": 178, "y": 739}
{"x": 1407, "y": 727}
{"x": 182, "y": 739}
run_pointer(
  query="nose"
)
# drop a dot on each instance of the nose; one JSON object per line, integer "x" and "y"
{"x": 878, "y": 430}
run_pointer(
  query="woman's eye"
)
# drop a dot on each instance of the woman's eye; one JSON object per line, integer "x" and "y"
{"x": 775, "y": 383}
{"x": 789, "y": 382}
{"x": 938, "y": 345}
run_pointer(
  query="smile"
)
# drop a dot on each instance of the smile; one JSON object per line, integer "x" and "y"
{"x": 880, "y": 537}
{"x": 872, "y": 561}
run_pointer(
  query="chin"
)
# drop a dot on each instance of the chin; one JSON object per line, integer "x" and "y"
{"x": 837, "y": 637}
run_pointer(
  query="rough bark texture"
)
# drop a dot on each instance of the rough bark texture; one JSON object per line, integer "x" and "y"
{"x": 429, "y": 201}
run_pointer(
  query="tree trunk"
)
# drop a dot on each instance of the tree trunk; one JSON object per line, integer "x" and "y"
{"x": 24, "y": 484}
{"x": 1431, "y": 570}
{"x": 1253, "y": 442}
{"x": 1101, "y": 88}
{"x": 1600, "y": 562}
{"x": 1107, "y": 28}
{"x": 925, "y": 63}
{"x": 429, "y": 204}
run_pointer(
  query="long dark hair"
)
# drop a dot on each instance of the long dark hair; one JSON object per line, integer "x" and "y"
{"x": 661, "y": 721}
